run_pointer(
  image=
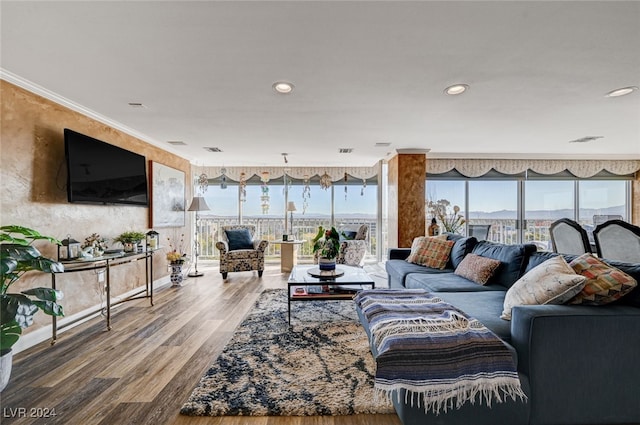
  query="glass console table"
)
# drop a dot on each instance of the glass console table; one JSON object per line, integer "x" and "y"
{"x": 105, "y": 263}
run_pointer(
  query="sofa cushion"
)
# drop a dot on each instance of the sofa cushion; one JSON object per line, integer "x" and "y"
{"x": 460, "y": 249}
{"x": 552, "y": 282}
{"x": 477, "y": 269}
{"x": 486, "y": 306}
{"x": 513, "y": 258}
{"x": 239, "y": 239}
{"x": 430, "y": 252}
{"x": 398, "y": 270}
{"x": 446, "y": 282}
{"x": 633, "y": 270}
{"x": 605, "y": 284}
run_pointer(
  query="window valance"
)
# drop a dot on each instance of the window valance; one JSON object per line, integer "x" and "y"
{"x": 245, "y": 173}
{"x": 579, "y": 168}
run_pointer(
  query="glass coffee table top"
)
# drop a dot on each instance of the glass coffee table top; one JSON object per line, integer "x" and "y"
{"x": 302, "y": 286}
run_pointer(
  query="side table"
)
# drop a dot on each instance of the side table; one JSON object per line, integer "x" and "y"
{"x": 288, "y": 254}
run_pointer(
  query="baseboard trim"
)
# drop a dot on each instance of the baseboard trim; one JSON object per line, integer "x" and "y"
{"x": 44, "y": 333}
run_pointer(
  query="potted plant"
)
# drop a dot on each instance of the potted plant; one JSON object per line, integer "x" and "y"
{"x": 326, "y": 244}
{"x": 17, "y": 257}
{"x": 130, "y": 239}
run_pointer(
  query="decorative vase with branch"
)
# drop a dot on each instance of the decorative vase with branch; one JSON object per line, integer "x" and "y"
{"x": 448, "y": 216}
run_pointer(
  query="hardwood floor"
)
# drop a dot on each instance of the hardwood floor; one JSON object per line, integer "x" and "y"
{"x": 144, "y": 369}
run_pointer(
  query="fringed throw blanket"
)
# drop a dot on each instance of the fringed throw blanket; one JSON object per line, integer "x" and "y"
{"x": 435, "y": 352}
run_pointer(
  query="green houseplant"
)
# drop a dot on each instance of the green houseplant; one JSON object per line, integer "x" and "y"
{"x": 17, "y": 257}
{"x": 326, "y": 245}
{"x": 129, "y": 239}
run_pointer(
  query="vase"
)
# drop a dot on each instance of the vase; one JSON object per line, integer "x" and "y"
{"x": 6, "y": 361}
{"x": 176, "y": 274}
{"x": 327, "y": 264}
{"x": 129, "y": 247}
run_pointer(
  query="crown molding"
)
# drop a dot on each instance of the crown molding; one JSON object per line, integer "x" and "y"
{"x": 61, "y": 100}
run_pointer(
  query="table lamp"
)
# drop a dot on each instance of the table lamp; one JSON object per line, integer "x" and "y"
{"x": 291, "y": 207}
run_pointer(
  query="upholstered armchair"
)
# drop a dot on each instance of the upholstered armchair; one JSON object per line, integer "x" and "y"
{"x": 352, "y": 251}
{"x": 239, "y": 251}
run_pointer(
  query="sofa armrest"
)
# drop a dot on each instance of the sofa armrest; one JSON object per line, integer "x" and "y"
{"x": 399, "y": 253}
{"x": 582, "y": 362}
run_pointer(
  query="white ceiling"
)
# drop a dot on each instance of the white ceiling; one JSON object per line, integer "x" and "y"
{"x": 364, "y": 73}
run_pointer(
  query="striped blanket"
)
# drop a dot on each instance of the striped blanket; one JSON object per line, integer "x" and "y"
{"x": 435, "y": 352}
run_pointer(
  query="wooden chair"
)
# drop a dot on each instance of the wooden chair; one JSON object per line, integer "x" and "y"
{"x": 568, "y": 237}
{"x": 618, "y": 240}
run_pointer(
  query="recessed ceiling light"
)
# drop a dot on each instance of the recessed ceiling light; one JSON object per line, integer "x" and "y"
{"x": 283, "y": 87}
{"x": 621, "y": 92}
{"x": 456, "y": 89}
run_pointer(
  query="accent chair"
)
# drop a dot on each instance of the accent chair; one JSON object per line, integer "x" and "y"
{"x": 239, "y": 250}
{"x": 618, "y": 240}
{"x": 479, "y": 231}
{"x": 568, "y": 237}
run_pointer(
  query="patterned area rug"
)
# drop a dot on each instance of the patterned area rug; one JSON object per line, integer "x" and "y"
{"x": 320, "y": 366}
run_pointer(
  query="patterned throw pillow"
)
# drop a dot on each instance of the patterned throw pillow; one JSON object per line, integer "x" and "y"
{"x": 551, "y": 282}
{"x": 430, "y": 251}
{"x": 605, "y": 284}
{"x": 477, "y": 269}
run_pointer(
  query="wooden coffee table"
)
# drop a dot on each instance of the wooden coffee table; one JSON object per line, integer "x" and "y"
{"x": 302, "y": 286}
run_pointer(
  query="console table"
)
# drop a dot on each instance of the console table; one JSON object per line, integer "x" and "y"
{"x": 105, "y": 263}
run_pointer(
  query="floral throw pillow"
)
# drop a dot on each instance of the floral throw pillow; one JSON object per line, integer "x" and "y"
{"x": 605, "y": 284}
{"x": 551, "y": 282}
{"x": 477, "y": 269}
{"x": 431, "y": 251}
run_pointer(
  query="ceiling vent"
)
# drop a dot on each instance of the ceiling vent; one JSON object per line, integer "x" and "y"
{"x": 177, "y": 143}
{"x": 137, "y": 105}
{"x": 586, "y": 139}
{"x": 345, "y": 150}
{"x": 214, "y": 149}
{"x": 382, "y": 144}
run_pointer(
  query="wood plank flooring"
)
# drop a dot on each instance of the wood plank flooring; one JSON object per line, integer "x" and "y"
{"x": 144, "y": 369}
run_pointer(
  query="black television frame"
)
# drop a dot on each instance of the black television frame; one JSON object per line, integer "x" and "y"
{"x": 95, "y": 192}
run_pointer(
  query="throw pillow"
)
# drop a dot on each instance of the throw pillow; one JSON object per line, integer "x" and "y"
{"x": 605, "y": 283}
{"x": 552, "y": 282}
{"x": 239, "y": 239}
{"x": 477, "y": 269}
{"x": 430, "y": 251}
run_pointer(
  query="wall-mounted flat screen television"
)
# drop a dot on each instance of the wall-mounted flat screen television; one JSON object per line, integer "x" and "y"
{"x": 100, "y": 173}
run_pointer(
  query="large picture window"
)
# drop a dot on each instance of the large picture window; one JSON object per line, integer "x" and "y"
{"x": 518, "y": 209}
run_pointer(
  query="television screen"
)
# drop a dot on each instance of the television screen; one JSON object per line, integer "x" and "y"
{"x": 98, "y": 172}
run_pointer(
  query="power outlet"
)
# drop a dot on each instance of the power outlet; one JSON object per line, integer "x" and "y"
{"x": 101, "y": 276}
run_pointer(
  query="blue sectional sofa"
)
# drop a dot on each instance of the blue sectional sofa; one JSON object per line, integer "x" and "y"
{"x": 578, "y": 365}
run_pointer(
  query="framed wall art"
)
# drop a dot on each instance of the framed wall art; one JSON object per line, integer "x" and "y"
{"x": 167, "y": 196}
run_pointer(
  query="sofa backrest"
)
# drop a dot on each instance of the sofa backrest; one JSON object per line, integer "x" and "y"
{"x": 513, "y": 260}
{"x": 462, "y": 247}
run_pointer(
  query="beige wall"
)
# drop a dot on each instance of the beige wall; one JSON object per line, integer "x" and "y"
{"x": 33, "y": 179}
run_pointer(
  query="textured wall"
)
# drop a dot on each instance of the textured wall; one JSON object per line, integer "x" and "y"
{"x": 406, "y": 198}
{"x": 635, "y": 200}
{"x": 33, "y": 179}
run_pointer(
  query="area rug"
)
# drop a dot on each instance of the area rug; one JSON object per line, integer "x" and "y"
{"x": 319, "y": 366}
